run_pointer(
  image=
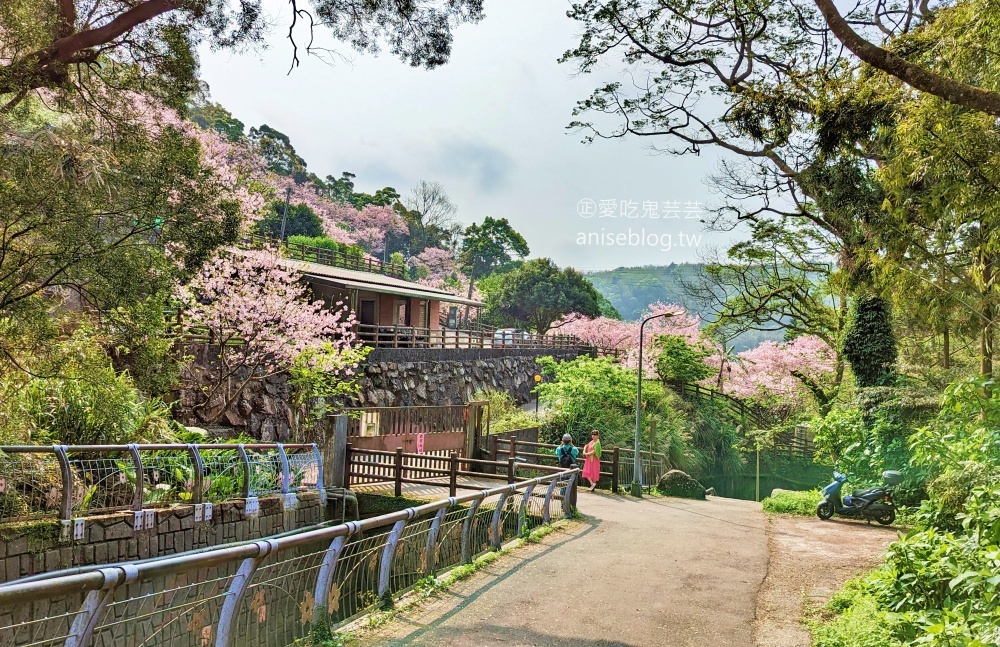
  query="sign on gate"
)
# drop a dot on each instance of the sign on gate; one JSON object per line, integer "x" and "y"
{"x": 420, "y": 443}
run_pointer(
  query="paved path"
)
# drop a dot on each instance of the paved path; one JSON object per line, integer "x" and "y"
{"x": 634, "y": 573}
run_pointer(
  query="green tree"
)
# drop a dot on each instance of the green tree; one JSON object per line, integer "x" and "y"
{"x": 679, "y": 361}
{"x": 490, "y": 247}
{"x": 538, "y": 294}
{"x": 213, "y": 116}
{"x": 870, "y": 344}
{"x": 277, "y": 150}
{"x": 302, "y": 221}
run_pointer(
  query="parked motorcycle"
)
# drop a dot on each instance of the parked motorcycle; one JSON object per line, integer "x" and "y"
{"x": 874, "y": 503}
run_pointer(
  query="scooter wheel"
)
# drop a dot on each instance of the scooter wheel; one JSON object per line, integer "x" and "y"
{"x": 887, "y": 518}
{"x": 824, "y": 510}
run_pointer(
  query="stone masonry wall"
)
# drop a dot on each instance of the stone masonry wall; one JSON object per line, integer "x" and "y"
{"x": 414, "y": 377}
{"x": 392, "y": 377}
{"x": 35, "y": 547}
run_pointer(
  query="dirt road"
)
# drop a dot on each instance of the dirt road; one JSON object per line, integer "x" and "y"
{"x": 634, "y": 573}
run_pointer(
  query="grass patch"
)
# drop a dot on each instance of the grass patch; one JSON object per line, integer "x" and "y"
{"x": 793, "y": 502}
{"x": 372, "y": 505}
{"x": 41, "y": 534}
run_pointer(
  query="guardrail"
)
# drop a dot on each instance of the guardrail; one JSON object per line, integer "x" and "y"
{"x": 274, "y": 591}
{"x": 66, "y": 481}
{"x": 380, "y": 336}
{"x": 333, "y": 257}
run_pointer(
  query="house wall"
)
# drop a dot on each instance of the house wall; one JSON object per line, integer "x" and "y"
{"x": 434, "y": 307}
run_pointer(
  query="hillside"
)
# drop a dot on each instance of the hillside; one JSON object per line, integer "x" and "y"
{"x": 633, "y": 289}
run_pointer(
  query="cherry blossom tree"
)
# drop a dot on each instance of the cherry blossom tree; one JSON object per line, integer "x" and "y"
{"x": 259, "y": 323}
{"x": 784, "y": 373}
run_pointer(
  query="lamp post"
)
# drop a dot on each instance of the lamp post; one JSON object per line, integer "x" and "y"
{"x": 538, "y": 379}
{"x": 637, "y": 460}
{"x": 284, "y": 218}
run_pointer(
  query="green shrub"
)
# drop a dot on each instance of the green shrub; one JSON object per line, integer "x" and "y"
{"x": 860, "y": 621}
{"x": 86, "y": 403}
{"x": 792, "y": 502}
{"x": 505, "y": 415}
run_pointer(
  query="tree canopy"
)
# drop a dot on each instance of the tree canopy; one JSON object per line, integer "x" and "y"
{"x": 538, "y": 294}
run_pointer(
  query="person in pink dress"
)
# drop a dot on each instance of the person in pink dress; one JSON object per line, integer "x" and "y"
{"x": 592, "y": 460}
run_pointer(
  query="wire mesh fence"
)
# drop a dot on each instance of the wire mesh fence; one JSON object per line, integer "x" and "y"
{"x": 273, "y": 592}
{"x": 66, "y": 481}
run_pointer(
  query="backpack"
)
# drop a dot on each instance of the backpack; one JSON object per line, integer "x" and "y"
{"x": 566, "y": 457}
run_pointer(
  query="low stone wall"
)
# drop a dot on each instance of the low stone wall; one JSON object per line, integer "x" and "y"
{"x": 414, "y": 377}
{"x": 36, "y": 547}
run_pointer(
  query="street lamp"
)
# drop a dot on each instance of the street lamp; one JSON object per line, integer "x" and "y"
{"x": 538, "y": 379}
{"x": 284, "y": 218}
{"x": 636, "y": 465}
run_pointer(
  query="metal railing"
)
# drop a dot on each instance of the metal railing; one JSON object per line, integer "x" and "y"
{"x": 66, "y": 481}
{"x": 380, "y": 336}
{"x": 332, "y": 257}
{"x": 274, "y": 591}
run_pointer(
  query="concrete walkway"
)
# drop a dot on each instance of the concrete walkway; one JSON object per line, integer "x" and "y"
{"x": 644, "y": 572}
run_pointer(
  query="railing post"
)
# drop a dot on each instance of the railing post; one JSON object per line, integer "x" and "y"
{"x": 385, "y": 571}
{"x": 66, "y": 507}
{"x": 569, "y": 497}
{"x": 246, "y": 469}
{"x": 82, "y": 630}
{"x": 496, "y": 534}
{"x": 432, "y": 536}
{"x": 347, "y": 465}
{"x": 523, "y": 512}
{"x": 286, "y": 474}
{"x": 237, "y": 587}
{"x": 511, "y": 466}
{"x": 467, "y": 531}
{"x": 399, "y": 472}
{"x": 512, "y": 450}
{"x": 614, "y": 471}
{"x": 546, "y": 515}
{"x": 328, "y": 567}
{"x": 199, "y": 474}
{"x": 452, "y": 474}
{"x": 133, "y": 449}
{"x": 320, "y": 486}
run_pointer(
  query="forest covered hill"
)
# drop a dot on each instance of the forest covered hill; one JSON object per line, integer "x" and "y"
{"x": 631, "y": 290}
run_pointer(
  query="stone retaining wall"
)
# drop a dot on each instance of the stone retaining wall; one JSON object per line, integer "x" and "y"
{"x": 35, "y": 547}
{"x": 414, "y": 377}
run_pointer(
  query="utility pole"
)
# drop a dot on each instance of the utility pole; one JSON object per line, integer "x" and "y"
{"x": 284, "y": 218}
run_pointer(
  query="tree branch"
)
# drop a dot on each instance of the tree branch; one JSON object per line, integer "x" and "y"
{"x": 956, "y": 92}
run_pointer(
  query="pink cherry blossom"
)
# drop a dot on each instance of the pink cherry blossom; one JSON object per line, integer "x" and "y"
{"x": 256, "y": 314}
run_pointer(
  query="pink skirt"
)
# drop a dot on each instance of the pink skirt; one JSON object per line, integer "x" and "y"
{"x": 592, "y": 469}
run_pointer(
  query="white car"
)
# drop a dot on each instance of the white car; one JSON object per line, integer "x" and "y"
{"x": 509, "y": 337}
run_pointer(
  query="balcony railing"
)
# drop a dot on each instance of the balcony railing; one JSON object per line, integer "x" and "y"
{"x": 332, "y": 257}
{"x": 417, "y": 337}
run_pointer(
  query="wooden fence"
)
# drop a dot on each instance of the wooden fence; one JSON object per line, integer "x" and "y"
{"x": 367, "y": 466}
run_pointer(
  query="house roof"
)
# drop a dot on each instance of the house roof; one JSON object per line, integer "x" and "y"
{"x": 353, "y": 280}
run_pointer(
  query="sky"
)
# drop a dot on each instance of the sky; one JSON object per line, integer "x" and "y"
{"x": 491, "y": 127}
